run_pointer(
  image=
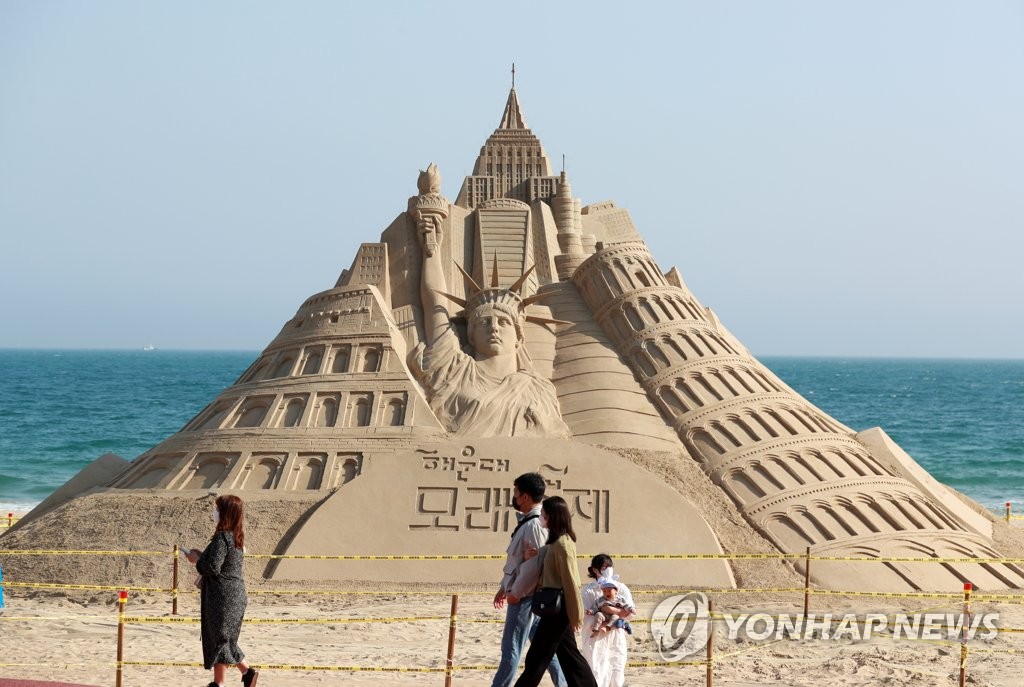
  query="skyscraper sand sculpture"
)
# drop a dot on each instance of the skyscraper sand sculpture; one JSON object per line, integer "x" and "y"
{"x": 572, "y": 353}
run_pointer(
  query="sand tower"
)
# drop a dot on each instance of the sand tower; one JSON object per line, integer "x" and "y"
{"x": 517, "y": 330}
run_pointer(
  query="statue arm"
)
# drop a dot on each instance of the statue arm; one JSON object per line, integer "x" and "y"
{"x": 435, "y": 312}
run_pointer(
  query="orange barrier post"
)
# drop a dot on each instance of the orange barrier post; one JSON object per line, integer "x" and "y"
{"x": 963, "y": 633}
{"x": 122, "y": 599}
{"x": 450, "y": 663}
{"x": 174, "y": 581}
{"x": 709, "y": 675}
{"x": 1007, "y": 511}
{"x": 807, "y": 581}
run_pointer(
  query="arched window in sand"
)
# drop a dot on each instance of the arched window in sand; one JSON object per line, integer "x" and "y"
{"x": 649, "y": 310}
{"x": 851, "y": 462}
{"x": 899, "y": 502}
{"x": 743, "y": 429}
{"x": 611, "y": 281}
{"x": 704, "y": 385}
{"x": 673, "y": 403}
{"x": 800, "y": 417}
{"x": 624, "y": 278}
{"x": 293, "y": 412}
{"x": 363, "y": 410}
{"x": 832, "y": 460}
{"x": 811, "y": 468}
{"x": 256, "y": 371}
{"x": 327, "y": 416}
{"x": 314, "y": 357}
{"x": 642, "y": 278}
{"x": 756, "y": 418}
{"x": 739, "y": 379}
{"x": 705, "y": 444}
{"x": 704, "y": 340}
{"x": 855, "y": 512}
{"x": 785, "y": 472}
{"x": 341, "y": 357}
{"x": 664, "y": 308}
{"x": 311, "y": 472}
{"x": 774, "y": 414}
{"x": 350, "y": 468}
{"x": 763, "y": 380}
{"x": 644, "y": 363}
{"x": 632, "y": 316}
{"x": 252, "y": 412}
{"x": 697, "y": 350}
{"x": 722, "y": 343}
{"x": 208, "y": 472}
{"x": 284, "y": 365}
{"x": 826, "y": 514}
{"x": 885, "y": 516}
{"x": 657, "y": 278}
{"x": 722, "y": 380}
{"x": 790, "y": 535}
{"x": 764, "y": 476}
{"x": 396, "y": 412}
{"x": 371, "y": 359}
{"x": 694, "y": 311}
{"x": 743, "y": 488}
{"x": 263, "y": 474}
{"x": 952, "y": 524}
{"x": 682, "y": 313}
{"x": 688, "y": 394}
{"x": 724, "y": 434}
{"x": 812, "y": 524}
{"x": 674, "y": 348}
{"x": 928, "y": 516}
{"x": 210, "y": 418}
{"x": 656, "y": 353}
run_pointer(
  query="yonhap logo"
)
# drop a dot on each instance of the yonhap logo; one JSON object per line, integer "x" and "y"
{"x": 680, "y": 625}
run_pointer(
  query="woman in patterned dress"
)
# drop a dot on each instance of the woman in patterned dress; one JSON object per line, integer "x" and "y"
{"x": 222, "y": 593}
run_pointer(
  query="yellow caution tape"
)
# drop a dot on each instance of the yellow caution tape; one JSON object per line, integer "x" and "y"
{"x": 997, "y": 651}
{"x": 908, "y": 595}
{"x": 717, "y": 591}
{"x": 345, "y": 592}
{"x": 719, "y": 657}
{"x": 664, "y": 664}
{"x": 55, "y": 585}
{"x": 55, "y": 617}
{"x": 68, "y": 552}
{"x": 496, "y": 557}
{"x": 287, "y": 621}
{"x": 424, "y": 557}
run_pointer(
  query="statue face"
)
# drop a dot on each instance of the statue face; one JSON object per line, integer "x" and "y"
{"x": 492, "y": 331}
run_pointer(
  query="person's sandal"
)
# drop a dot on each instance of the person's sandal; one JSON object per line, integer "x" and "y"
{"x": 249, "y": 679}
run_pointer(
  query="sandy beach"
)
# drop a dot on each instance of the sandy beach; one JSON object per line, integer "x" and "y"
{"x": 74, "y": 634}
{"x": 403, "y": 628}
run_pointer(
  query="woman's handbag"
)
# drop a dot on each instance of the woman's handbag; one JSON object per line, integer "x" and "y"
{"x": 547, "y": 601}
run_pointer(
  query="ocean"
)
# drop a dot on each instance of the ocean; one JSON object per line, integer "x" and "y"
{"x": 963, "y": 420}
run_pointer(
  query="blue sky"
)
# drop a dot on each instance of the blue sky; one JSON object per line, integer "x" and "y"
{"x": 831, "y": 178}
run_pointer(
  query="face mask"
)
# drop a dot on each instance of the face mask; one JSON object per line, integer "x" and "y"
{"x": 608, "y": 572}
{"x": 215, "y": 516}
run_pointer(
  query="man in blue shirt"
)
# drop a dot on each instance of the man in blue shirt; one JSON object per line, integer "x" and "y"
{"x": 527, "y": 493}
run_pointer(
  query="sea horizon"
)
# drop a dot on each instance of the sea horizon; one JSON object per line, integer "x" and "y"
{"x": 962, "y": 419}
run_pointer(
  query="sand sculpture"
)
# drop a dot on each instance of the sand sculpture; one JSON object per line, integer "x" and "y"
{"x": 410, "y": 424}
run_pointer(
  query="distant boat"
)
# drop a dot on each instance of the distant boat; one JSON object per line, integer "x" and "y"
{"x": 149, "y": 347}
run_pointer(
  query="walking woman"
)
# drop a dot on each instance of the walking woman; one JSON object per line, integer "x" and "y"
{"x": 222, "y": 594}
{"x": 556, "y": 634}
